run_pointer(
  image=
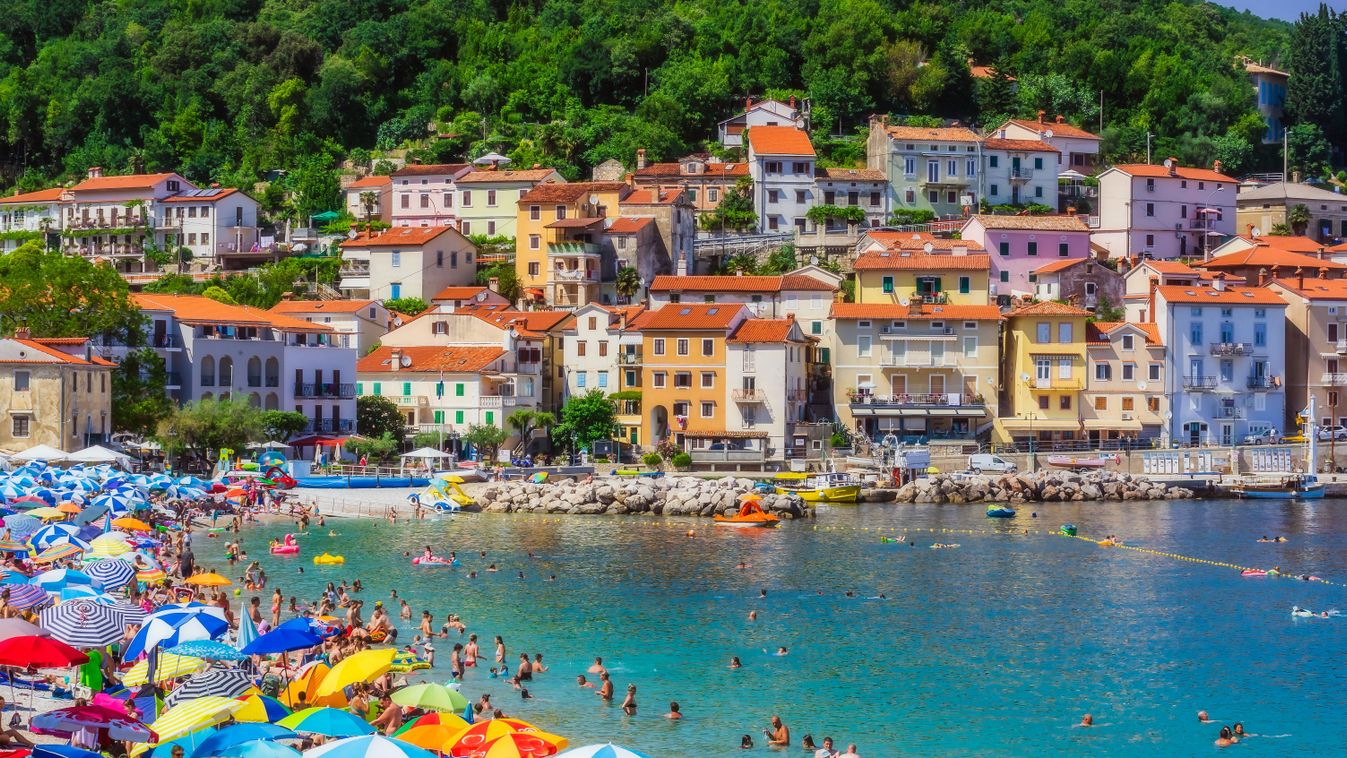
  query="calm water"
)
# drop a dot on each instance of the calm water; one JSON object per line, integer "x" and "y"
{"x": 996, "y": 647}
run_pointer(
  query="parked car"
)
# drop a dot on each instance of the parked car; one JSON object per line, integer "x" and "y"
{"x": 1265, "y": 437}
{"x": 1326, "y": 433}
{"x": 984, "y": 462}
{"x": 1294, "y": 439}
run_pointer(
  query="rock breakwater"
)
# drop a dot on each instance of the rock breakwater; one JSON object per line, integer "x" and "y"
{"x": 1042, "y": 486}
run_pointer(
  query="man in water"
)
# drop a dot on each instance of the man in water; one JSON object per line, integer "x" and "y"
{"x": 778, "y": 735}
{"x": 674, "y": 712}
{"x": 1087, "y": 720}
{"x": 598, "y": 668}
{"x": 827, "y": 750}
{"x": 580, "y": 681}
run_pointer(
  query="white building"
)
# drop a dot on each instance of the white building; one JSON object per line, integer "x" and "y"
{"x": 769, "y": 112}
{"x": 781, "y": 163}
{"x": 766, "y": 369}
{"x": 806, "y": 293}
{"x": 378, "y": 190}
{"x": 1077, "y": 149}
{"x": 1168, "y": 211}
{"x": 357, "y": 324}
{"x": 275, "y": 361}
{"x": 406, "y": 262}
{"x": 26, "y": 217}
{"x": 1019, "y": 172}
{"x": 451, "y": 299}
{"x": 423, "y": 194}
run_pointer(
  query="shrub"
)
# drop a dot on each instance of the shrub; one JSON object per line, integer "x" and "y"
{"x": 682, "y": 460}
{"x": 653, "y": 460}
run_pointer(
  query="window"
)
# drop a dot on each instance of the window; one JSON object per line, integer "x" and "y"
{"x": 459, "y": 389}
{"x": 1063, "y": 250}
{"x": 466, "y": 228}
{"x": 1103, "y": 372}
{"x": 910, "y": 196}
{"x": 684, "y": 346}
{"x": 657, "y": 379}
{"x": 535, "y": 241}
{"x": 993, "y": 161}
{"x": 1150, "y": 209}
{"x": 603, "y": 348}
{"x": 1150, "y": 241}
{"x": 1043, "y": 402}
{"x": 378, "y": 388}
{"x": 535, "y": 212}
{"x": 965, "y": 285}
{"x": 863, "y": 346}
{"x": 681, "y": 408}
{"x": 658, "y": 346}
{"x": 682, "y": 380}
{"x": 933, "y": 196}
{"x": 712, "y": 195}
{"x": 580, "y": 348}
{"x": 970, "y": 347}
{"x": 1043, "y": 332}
{"x": 887, "y": 285}
{"x": 708, "y": 409}
{"x": 952, "y": 167}
{"x": 1033, "y": 248}
{"x": 971, "y": 168}
{"x": 22, "y": 380}
{"x": 1154, "y": 373}
{"x": 1129, "y": 371}
{"x": 1005, "y": 275}
{"x": 708, "y": 347}
{"x": 1066, "y": 403}
{"x": 534, "y": 268}
{"x": 816, "y": 327}
{"x": 458, "y": 417}
{"x": 1064, "y": 332}
{"x": 1003, "y": 248}
{"x": 995, "y": 189}
{"x": 1195, "y": 333}
{"x": 1101, "y": 403}
{"x": 1127, "y": 341}
{"x": 406, "y": 201}
{"x": 773, "y": 196}
{"x": 708, "y": 379}
{"x": 910, "y": 166}
{"x": 799, "y": 196}
{"x": 1259, "y": 335}
{"x": 395, "y": 260}
{"x": 933, "y": 171}
{"x": 1127, "y": 403}
{"x": 490, "y": 198}
{"x": 20, "y": 426}
{"x": 580, "y": 379}
{"x": 1038, "y": 192}
{"x": 630, "y": 377}
{"x": 425, "y": 200}
{"x": 439, "y": 258}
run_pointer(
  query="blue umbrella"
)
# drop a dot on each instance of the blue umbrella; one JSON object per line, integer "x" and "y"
{"x": 112, "y": 573}
{"x": 169, "y": 629}
{"x": 371, "y": 745}
{"x": 209, "y": 650}
{"x": 85, "y": 592}
{"x": 309, "y": 625}
{"x": 58, "y": 579}
{"x": 188, "y": 742}
{"x": 238, "y": 734}
{"x": 258, "y": 749}
{"x": 13, "y": 577}
{"x": 62, "y": 751}
{"x": 282, "y": 640}
{"x": 22, "y": 525}
{"x": 53, "y": 534}
{"x": 247, "y": 631}
{"x": 601, "y": 751}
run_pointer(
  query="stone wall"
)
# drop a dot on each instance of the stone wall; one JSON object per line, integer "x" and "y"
{"x": 1042, "y": 486}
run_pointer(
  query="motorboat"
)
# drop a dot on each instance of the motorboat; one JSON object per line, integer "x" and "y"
{"x": 1000, "y": 511}
{"x": 1081, "y": 461}
{"x": 830, "y": 487}
{"x": 1286, "y": 487}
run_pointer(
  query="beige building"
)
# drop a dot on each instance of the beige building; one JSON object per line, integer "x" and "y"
{"x": 1125, "y": 370}
{"x": 1264, "y": 207}
{"x": 53, "y": 392}
{"x": 378, "y": 191}
{"x": 1316, "y": 347}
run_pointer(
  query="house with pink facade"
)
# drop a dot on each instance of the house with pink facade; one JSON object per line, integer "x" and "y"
{"x": 1020, "y": 244}
{"x": 1167, "y": 211}
{"x": 424, "y": 194}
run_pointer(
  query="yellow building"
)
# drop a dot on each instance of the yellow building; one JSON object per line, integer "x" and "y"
{"x": 557, "y": 233}
{"x": 683, "y": 373}
{"x": 1044, "y": 378}
{"x": 956, "y": 275}
{"x": 53, "y": 392}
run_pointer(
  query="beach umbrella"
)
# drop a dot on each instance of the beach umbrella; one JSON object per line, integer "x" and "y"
{"x": 521, "y": 745}
{"x": 109, "y": 545}
{"x": 151, "y": 575}
{"x": 13, "y": 577}
{"x": 363, "y": 666}
{"x": 230, "y": 683}
{"x": 54, "y": 534}
{"x": 26, "y": 596}
{"x": 46, "y": 513}
{"x": 327, "y": 722}
{"x": 430, "y": 696}
{"x": 56, "y": 579}
{"x": 15, "y": 627}
{"x": 258, "y": 749}
{"x": 187, "y": 742}
{"x": 53, "y": 751}
{"x": 169, "y": 629}
{"x": 119, "y": 725}
{"x": 281, "y": 640}
{"x": 130, "y": 613}
{"x": 368, "y": 746}
{"x": 110, "y": 572}
{"x": 432, "y": 736}
{"x": 209, "y": 650}
{"x": 132, "y": 524}
{"x": 10, "y": 546}
{"x": 261, "y": 709}
{"x": 321, "y": 628}
{"x": 22, "y": 525}
{"x": 194, "y": 715}
{"x": 169, "y": 666}
{"x": 118, "y": 501}
{"x": 69, "y": 508}
{"x": 477, "y": 737}
{"x": 208, "y": 579}
{"x": 237, "y": 734}
{"x": 83, "y": 624}
{"x": 247, "y": 632}
{"x": 83, "y": 592}
{"x": 57, "y": 553}
{"x": 39, "y": 652}
{"x": 306, "y": 680}
{"x": 601, "y": 751}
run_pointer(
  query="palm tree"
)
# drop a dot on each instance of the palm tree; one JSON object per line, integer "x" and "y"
{"x": 628, "y": 283}
{"x": 1298, "y": 218}
{"x": 526, "y": 421}
{"x": 367, "y": 201}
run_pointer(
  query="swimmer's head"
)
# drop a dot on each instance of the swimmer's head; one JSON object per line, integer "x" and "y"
{"x": 1202, "y": 716}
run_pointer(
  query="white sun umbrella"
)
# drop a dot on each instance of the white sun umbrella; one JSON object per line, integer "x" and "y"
{"x": 601, "y": 751}
{"x": 426, "y": 453}
{"x": 45, "y": 453}
{"x": 99, "y": 454}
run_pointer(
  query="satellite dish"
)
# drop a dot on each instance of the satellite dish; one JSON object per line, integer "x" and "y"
{"x": 1024, "y": 377}
{"x": 481, "y": 296}
{"x": 1142, "y": 386}
{"x": 813, "y": 260}
{"x": 350, "y": 234}
{"x": 902, "y": 301}
{"x": 593, "y": 199}
{"x": 406, "y": 361}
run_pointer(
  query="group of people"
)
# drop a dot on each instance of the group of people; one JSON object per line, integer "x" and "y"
{"x": 777, "y": 735}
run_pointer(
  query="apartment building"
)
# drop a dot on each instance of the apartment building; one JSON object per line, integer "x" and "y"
{"x": 29, "y": 217}
{"x": 54, "y": 392}
{"x": 488, "y": 200}
{"x": 423, "y": 194}
{"x": 356, "y": 324}
{"x": 1167, "y": 211}
{"x": 1020, "y": 244}
{"x": 1018, "y": 172}
{"x": 936, "y": 169}
{"x": 704, "y": 179}
{"x": 1077, "y": 149}
{"x": 561, "y": 254}
{"x": 1044, "y": 362}
{"x": 954, "y": 272}
{"x": 766, "y": 112}
{"x": 1082, "y": 282}
{"x": 406, "y": 261}
{"x": 370, "y": 198}
{"x": 781, "y": 164}
{"x": 767, "y": 384}
{"x": 1316, "y": 346}
{"x": 1125, "y": 370}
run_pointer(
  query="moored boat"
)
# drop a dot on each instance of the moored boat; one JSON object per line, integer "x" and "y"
{"x": 832, "y": 487}
{"x": 1080, "y": 461}
{"x": 1289, "y": 487}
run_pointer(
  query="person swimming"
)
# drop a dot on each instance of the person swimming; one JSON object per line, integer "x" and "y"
{"x": 1086, "y": 720}
{"x": 735, "y": 663}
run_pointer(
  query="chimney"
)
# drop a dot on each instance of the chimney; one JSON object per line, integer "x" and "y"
{"x": 1248, "y": 230}
{"x": 95, "y": 172}
{"x": 1216, "y": 166}
{"x": 640, "y": 158}
{"x": 1300, "y": 278}
{"x": 493, "y": 284}
{"x": 1061, "y": 119}
{"x": 1218, "y": 281}
{"x": 1323, "y": 272}
{"x": 1041, "y": 114}
{"x": 215, "y": 185}
{"x": 1262, "y": 276}
{"x": 1172, "y": 164}
{"x": 1155, "y": 285}
{"x": 1276, "y": 271}
{"x": 748, "y": 104}
{"x": 792, "y": 101}
{"x": 21, "y": 333}
{"x": 914, "y": 308}
{"x": 395, "y": 359}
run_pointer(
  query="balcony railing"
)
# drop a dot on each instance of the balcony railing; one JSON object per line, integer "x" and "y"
{"x": 1230, "y": 411}
{"x": 339, "y": 425}
{"x": 410, "y": 401}
{"x": 1231, "y": 348}
{"x": 1199, "y": 382}
{"x": 575, "y": 275}
{"x": 166, "y": 342}
{"x": 914, "y": 399}
{"x": 629, "y": 359}
{"x": 326, "y": 389}
{"x": 1260, "y": 382}
{"x": 572, "y": 248}
{"x": 1333, "y": 380}
{"x": 1059, "y": 383}
{"x": 747, "y": 395}
{"x": 947, "y": 181}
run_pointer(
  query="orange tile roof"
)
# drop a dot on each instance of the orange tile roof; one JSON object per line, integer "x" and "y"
{"x": 1231, "y": 295}
{"x": 398, "y": 236}
{"x": 129, "y": 181}
{"x": 1316, "y": 289}
{"x": 222, "y": 194}
{"x": 532, "y": 324}
{"x": 45, "y": 347}
{"x": 1257, "y": 68}
{"x": 1182, "y": 172}
{"x": 917, "y": 242}
{"x": 763, "y": 330}
{"x": 1052, "y": 223}
{"x": 321, "y": 306}
{"x": 671, "y": 283}
{"x": 371, "y": 181}
{"x": 1058, "y": 128}
{"x": 896, "y": 311}
{"x": 779, "y": 140}
{"x": 652, "y": 197}
{"x": 568, "y": 192}
{"x": 909, "y": 261}
{"x": 41, "y": 196}
{"x": 458, "y": 293}
{"x": 1267, "y": 257}
{"x": 1170, "y": 267}
{"x": 1061, "y": 265}
{"x": 626, "y": 225}
{"x": 524, "y": 175}
{"x": 1048, "y": 308}
{"x": 713, "y": 170}
{"x": 430, "y": 169}
{"x": 1018, "y": 145}
{"x": 1095, "y": 330}
{"x": 1289, "y": 242}
{"x": 700, "y": 316}
{"x": 933, "y": 134}
{"x": 430, "y": 359}
{"x": 195, "y": 309}
{"x": 853, "y": 174}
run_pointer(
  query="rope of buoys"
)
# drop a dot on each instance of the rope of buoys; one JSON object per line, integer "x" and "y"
{"x": 1203, "y": 561}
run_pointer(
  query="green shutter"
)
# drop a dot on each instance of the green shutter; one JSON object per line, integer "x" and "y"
{"x": 359, "y": 388}
{"x": 888, "y": 285}
{"x": 378, "y": 388}
{"x": 490, "y": 418}
{"x": 458, "y": 417}
{"x": 1005, "y": 248}
{"x": 458, "y": 390}
{"x": 439, "y": 417}
{"x": 823, "y": 355}
{"x": 965, "y": 285}
{"x": 406, "y": 389}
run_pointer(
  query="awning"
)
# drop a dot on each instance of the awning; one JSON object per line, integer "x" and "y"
{"x": 1111, "y": 424}
{"x": 534, "y": 291}
{"x": 1040, "y": 424}
{"x": 354, "y": 283}
{"x": 735, "y": 435}
{"x": 950, "y": 412}
{"x": 900, "y": 411}
{"x": 970, "y": 412}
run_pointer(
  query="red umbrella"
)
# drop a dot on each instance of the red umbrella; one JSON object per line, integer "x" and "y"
{"x": 39, "y": 652}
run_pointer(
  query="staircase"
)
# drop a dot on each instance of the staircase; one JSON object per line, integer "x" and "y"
{"x": 324, "y": 292}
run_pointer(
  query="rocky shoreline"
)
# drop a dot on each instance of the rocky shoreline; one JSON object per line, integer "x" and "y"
{"x": 1042, "y": 486}
{"x": 665, "y": 496}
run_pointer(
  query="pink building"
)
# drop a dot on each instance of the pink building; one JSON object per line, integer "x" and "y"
{"x": 423, "y": 194}
{"x": 1020, "y": 244}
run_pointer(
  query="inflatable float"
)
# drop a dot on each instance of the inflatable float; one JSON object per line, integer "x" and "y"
{"x": 287, "y": 547}
{"x": 750, "y": 515}
{"x": 1000, "y": 511}
{"x": 1253, "y": 572}
{"x": 327, "y": 559}
{"x": 1068, "y": 530}
{"x": 405, "y": 661}
{"x": 434, "y": 560}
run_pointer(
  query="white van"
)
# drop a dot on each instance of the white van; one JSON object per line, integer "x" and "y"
{"x": 984, "y": 462}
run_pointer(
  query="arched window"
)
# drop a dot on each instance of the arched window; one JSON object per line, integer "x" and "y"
{"x": 226, "y": 372}
{"x": 273, "y": 372}
{"x": 273, "y": 403}
{"x": 255, "y": 400}
{"x": 254, "y": 372}
{"x": 208, "y": 372}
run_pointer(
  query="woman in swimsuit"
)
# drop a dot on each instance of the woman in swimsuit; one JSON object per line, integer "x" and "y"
{"x": 276, "y": 607}
{"x": 500, "y": 651}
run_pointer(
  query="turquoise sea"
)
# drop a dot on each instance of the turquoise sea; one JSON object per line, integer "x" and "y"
{"x": 996, "y": 647}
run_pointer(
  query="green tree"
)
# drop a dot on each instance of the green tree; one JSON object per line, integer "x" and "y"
{"x": 735, "y": 211}
{"x": 139, "y": 398}
{"x": 586, "y": 419}
{"x": 411, "y": 306}
{"x": 282, "y": 425}
{"x": 374, "y": 449}
{"x": 376, "y": 416}
{"x": 1299, "y": 218}
{"x": 485, "y": 439}
{"x": 211, "y": 424}
{"x": 1309, "y": 151}
{"x": 507, "y": 279}
{"x": 57, "y": 295}
{"x": 782, "y": 260}
{"x": 628, "y": 283}
{"x": 1316, "y": 88}
{"x": 218, "y": 294}
{"x": 525, "y": 421}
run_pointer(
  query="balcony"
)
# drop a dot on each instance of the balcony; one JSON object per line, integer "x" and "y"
{"x": 446, "y": 429}
{"x": 1021, "y": 174}
{"x": 1059, "y": 383}
{"x": 1333, "y": 380}
{"x": 331, "y": 425}
{"x": 1199, "y": 383}
{"x": 166, "y": 342}
{"x": 1341, "y": 347}
{"x": 1229, "y": 412}
{"x": 354, "y": 268}
{"x": 575, "y": 275}
{"x": 570, "y": 248}
{"x": 748, "y": 395}
{"x": 947, "y": 181}
{"x": 491, "y": 401}
{"x": 410, "y": 401}
{"x": 629, "y": 359}
{"x": 173, "y": 379}
{"x": 1262, "y": 382}
{"x": 1230, "y": 349}
{"x": 915, "y": 400}
{"x": 327, "y": 389}
{"x": 916, "y": 361}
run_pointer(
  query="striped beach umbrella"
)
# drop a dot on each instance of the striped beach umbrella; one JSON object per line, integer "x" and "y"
{"x": 194, "y": 715}
{"x": 110, "y": 572}
{"x": 58, "y": 553}
{"x": 26, "y": 596}
{"x": 151, "y": 575}
{"x": 231, "y": 683}
{"x": 53, "y": 534}
{"x": 261, "y": 709}
{"x": 175, "y": 627}
{"x": 210, "y": 650}
{"x": 82, "y": 624}
{"x": 10, "y": 546}
{"x": 169, "y": 666}
{"x": 22, "y": 526}
{"x": 85, "y": 592}
{"x": 56, "y": 579}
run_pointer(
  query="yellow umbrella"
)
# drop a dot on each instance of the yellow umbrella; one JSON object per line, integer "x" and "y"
{"x": 479, "y": 736}
{"x": 109, "y": 545}
{"x": 57, "y": 552}
{"x": 261, "y": 709}
{"x": 365, "y": 666}
{"x": 522, "y": 745}
{"x": 306, "y": 682}
{"x": 68, "y": 507}
{"x": 208, "y": 579}
{"x": 192, "y": 715}
{"x": 134, "y": 524}
{"x": 46, "y": 513}
{"x": 171, "y": 665}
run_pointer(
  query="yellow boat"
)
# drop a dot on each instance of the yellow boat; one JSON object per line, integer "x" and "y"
{"x": 832, "y": 487}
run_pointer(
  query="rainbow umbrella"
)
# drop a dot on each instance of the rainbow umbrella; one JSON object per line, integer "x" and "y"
{"x": 328, "y": 722}
{"x": 57, "y": 553}
{"x": 10, "y": 546}
{"x": 151, "y": 575}
{"x": 432, "y": 736}
{"x": 522, "y": 745}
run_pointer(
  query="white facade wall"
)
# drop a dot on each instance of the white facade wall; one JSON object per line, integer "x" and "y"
{"x": 776, "y": 373}
{"x": 783, "y": 191}
{"x": 27, "y": 217}
{"x": 1160, "y": 216}
{"x": 597, "y": 368}
{"x": 1033, "y": 180}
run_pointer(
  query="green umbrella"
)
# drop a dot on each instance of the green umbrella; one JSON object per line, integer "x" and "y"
{"x": 326, "y": 217}
{"x": 430, "y": 696}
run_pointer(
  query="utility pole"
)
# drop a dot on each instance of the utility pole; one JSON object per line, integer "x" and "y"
{"x": 1148, "y": 146}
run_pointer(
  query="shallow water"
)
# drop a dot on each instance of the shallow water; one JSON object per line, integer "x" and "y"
{"x": 996, "y": 647}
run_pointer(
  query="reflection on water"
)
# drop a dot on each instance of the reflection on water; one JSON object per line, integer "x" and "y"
{"x": 997, "y": 646}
